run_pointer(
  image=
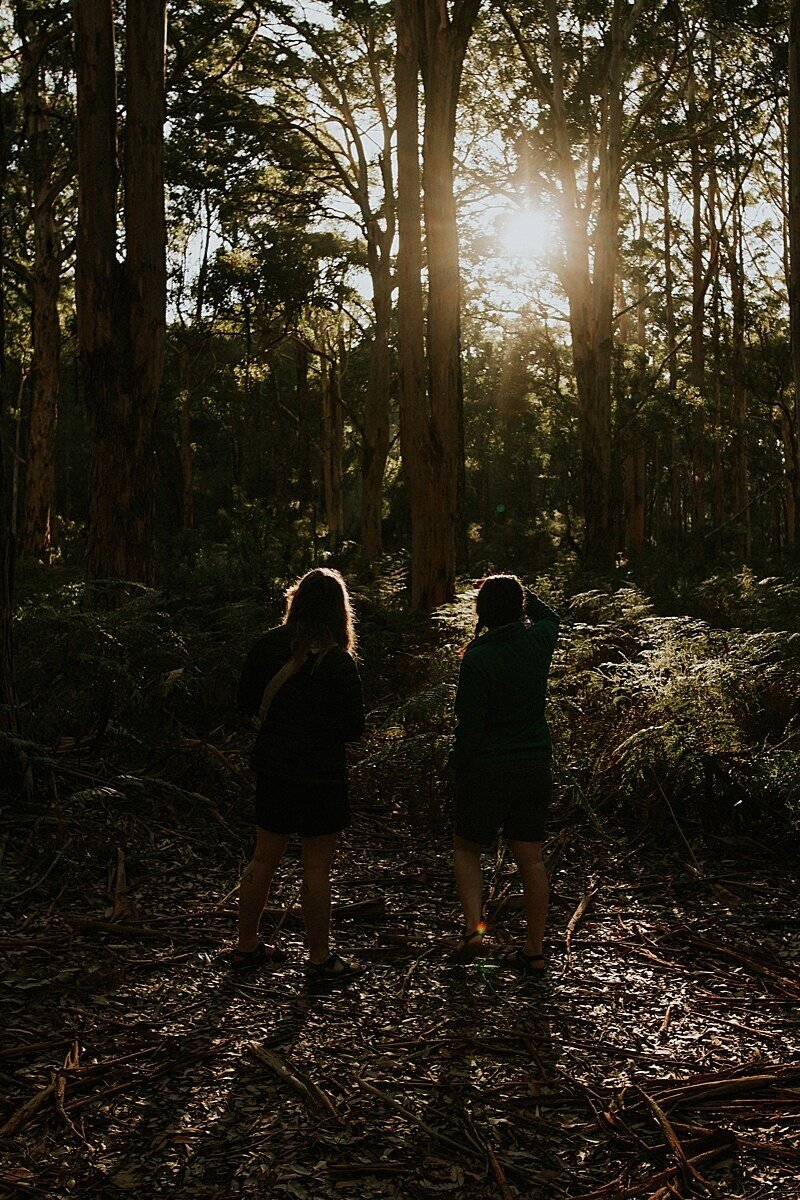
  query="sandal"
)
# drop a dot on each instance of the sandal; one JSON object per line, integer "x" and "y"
{"x": 334, "y": 969}
{"x": 469, "y": 946}
{"x": 524, "y": 963}
{"x": 243, "y": 960}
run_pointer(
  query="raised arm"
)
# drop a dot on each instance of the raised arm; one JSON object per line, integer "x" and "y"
{"x": 544, "y": 621}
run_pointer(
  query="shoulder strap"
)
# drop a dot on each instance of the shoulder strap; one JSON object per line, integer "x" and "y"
{"x": 276, "y": 683}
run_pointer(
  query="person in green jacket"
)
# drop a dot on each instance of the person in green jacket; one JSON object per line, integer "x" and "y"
{"x": 501, "y": 755}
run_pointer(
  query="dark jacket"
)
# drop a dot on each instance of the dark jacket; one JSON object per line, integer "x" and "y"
{"x": 312, "y": 715}
{"x": 502, "y": 688}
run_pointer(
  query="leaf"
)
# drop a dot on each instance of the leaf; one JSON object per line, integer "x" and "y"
{"x": 125, "y": 1180}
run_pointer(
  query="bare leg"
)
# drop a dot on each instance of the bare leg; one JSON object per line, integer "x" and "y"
{"x": 469, "y": 880}
{"x": 528, "y": 857}
{"x": 315, "y": 897}
{"x": 254, "y": 887}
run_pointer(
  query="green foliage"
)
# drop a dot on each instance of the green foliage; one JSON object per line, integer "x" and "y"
{"x": 672, "y": 711}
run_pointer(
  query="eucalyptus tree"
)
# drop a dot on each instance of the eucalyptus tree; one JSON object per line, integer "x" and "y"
{"x": 121, "y": 304}
{"x": 432, "y": 40}
{"x": 46, "y": 165}
{"x": 8, "y": 691}
{"x": 792, "y": 423}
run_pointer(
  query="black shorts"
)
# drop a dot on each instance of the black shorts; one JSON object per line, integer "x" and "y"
{"x": 513, "y": 797}
{"x": 287, "y": 806}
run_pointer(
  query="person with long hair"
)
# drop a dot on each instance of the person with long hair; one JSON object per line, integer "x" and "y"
{"x": 301, "y": 682}
{"x": 501, "y": 756}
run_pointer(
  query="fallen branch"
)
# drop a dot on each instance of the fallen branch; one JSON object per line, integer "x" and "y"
{"x": 28, "y": 1111}
{"x": 126, "y": 929}
{"x": 413, "y": 1119}
{"x": 692, "y": 1093}
{"x": 612, "y": 1191}
{"x": 296, "y": 1079}
{"x": 574, "y": 921}
{"x": 671, "y": 1138}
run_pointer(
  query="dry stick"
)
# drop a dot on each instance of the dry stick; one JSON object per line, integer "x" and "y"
{"x": 723, "y": 893}
{"x": 459, "y": 1147}
{"x": 276, "y": 933}
{"x": 612, "y": 1191}
{"x": 296, "y": 1079}
{"x": 692, "y": 1093}
{"x": 498, "y": 867}
{"x": 220, "y": 903}
{"x": 677, "y": 824}
{"x": 752, "y": 963}
{"x": 61, "y": 1091}
{"x": 28, "y": 1111}
{"x": 33, "y": 1047}
{"x": 202, "y": 1055}
{"x": 39, "y": 882}
{"x": 674, "y": 1144}
{"x": 401, "y": 991}
{"x": 574, "y": 921}
{"x": 485, "y": 1145}
{"x": 240, "y": 775}
{"x": 130, "y": 930}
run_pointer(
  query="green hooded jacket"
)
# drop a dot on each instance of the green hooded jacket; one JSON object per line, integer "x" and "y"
{"x": 502, "y": 689}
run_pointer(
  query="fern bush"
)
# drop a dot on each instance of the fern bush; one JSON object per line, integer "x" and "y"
{"x": 649, "y": 712}
{"x": 654, "y": 712}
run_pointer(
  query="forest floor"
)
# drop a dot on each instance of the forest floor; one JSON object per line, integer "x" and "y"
{"x": 660, "y": 1057}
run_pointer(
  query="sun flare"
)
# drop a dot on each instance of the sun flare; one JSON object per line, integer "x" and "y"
{"x": 527, "y": 233}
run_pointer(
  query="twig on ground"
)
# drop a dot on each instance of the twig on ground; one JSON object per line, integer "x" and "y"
{"x": 296, "y": 1079}
{"x": 574, "y": 921}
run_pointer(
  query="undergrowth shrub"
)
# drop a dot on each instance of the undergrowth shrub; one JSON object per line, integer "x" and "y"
{"x": 662, "y": 718}
{"x": 669, "y": 718}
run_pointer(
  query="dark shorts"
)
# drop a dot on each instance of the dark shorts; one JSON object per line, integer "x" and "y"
{"x": 512, "y": 797}
{"x": 287, "y": 806}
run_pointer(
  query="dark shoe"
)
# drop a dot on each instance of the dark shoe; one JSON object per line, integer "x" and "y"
{"x": 530, "y": 965}
{"x": 244, "y": 960}
{"x": 469, "y": 946}
{"x": 334, "y": 969}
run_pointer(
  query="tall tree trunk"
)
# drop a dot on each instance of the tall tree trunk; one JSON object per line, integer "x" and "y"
{"x": 597, "y": 422}
{"x": 419, "y": 454}
{"x": 699, "y": 448}
{"x": 121, "y": 309}
{"x": 303, "y": 423}
{"x": 793, "y": 416}
{"x": 444, "y": 288}
{"x": 717, "y": 480}
{"x": 187, "y": 463}
{"x": 40, "y": 474}
{"x": 333, "y": 447}
{"x": 634, "y": 468}
{"x": 675, "y": 506}
{"x": 590, "y": 291}
{"x": 435, "y": 41}
{"x": 13, "y": 763}
{"x": 741, "y": 481}
{"x": 375, "y": 448}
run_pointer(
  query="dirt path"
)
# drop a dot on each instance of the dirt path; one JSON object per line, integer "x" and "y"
{"x": 663, "y": 1051}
